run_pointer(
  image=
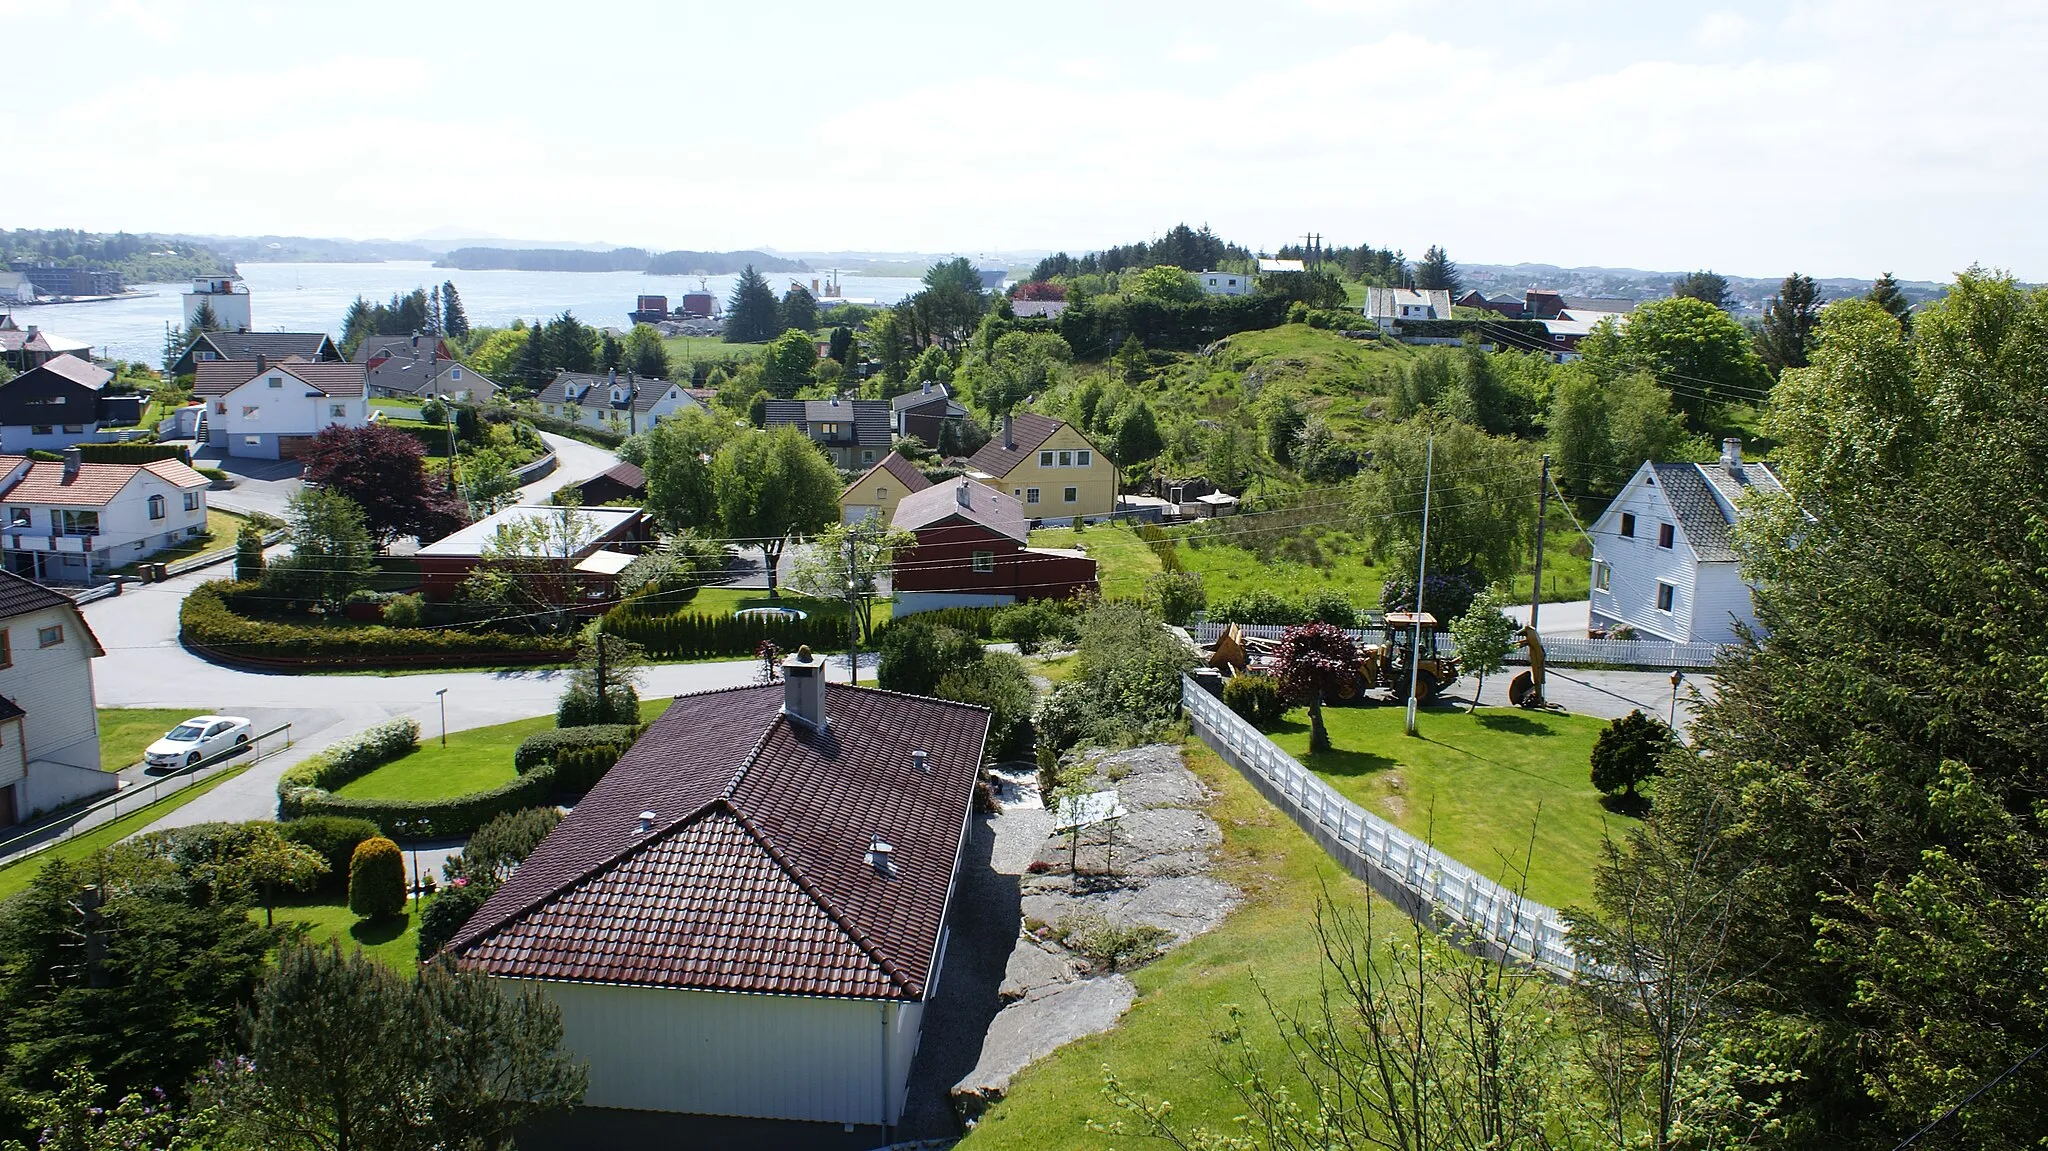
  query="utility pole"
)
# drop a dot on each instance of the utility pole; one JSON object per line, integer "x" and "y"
{"x": 1542, "y": 505}
{"x": 1421, "y": 580}
{"x": 853, "y": 605}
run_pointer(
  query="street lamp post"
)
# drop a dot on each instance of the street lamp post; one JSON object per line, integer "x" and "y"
{"x": 448, "y": 419}
{"x": 1677, "y": 677}
{"x": 442, "y": 695}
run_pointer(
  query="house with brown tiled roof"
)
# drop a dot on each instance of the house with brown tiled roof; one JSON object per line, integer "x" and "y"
{"x": 879, "y": 489}
{"x": 71, "y": 522}
{"x": 1048, "y": 466}
{"x": 271, "y": 410}
{"x": 747, "y": 916}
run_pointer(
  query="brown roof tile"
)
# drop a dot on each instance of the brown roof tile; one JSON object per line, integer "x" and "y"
{"x": 753, "y": 876}
{"x": 95, "y": 485}
{"x": 1027, "y": 431}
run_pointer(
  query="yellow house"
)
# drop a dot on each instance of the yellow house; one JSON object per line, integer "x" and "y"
{"x": 877, "y": 492}
{"x": 1049, "y": 466}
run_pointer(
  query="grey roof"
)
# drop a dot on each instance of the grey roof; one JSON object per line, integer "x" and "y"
{"x": 81, "y": 372}
{"x": 593, "y": 390}
{"x": 1598, "y": 304}
{"x": 1709, "y": 523}
{"x": 270, "y": 345}
{"x": 981, "y": 504}
{"x": 418, "y": 377}
{"x": 421, "y": 345}
{"x": 870, "y": 418}
{"x": 921, "y": 397}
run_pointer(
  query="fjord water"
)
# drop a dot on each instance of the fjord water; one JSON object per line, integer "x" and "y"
{"x": 313, "y": 297}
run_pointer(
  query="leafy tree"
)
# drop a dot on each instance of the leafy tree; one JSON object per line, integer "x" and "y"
{"x": 497, "y": 354}
{"x": 1601, "y": 431}
{"x": 751, "y": 313}
{"x": 529, "y": 564}
{"x": 344, "y": 1054}
{"x": 846, "y": 563}
{"x": 1314, "y": 661}
{"x": 887, "y": 341}
{"x": 1868, "y": 790}
{"x": 950, "y": 305}
{"x": 376, "y": 879}
{"x": 678, "y": 468}
{"x": 1707, "y": 287}
{"x": 1176, "y": 596}
{"x": 799, "y": 309}
{"x": 1281, "y": 417}
{"x": 644, "y": 355}
{"x": 489, "y": 483}
{"x": 1437, "y": 271}
{"x": 1629, "y": 753}
{"x": 1020, "y": 365}
{"x": 1482, "y": 497}
{"x": 1785, "y": 336}
{"x": 1137, "y": 435}
{"x": 1001, "y": 682}
{"x": 841, "y": 346}
{"x": 454, "y": 320}
{"x": 120, "y": 962}
{"x": 501, "y": 845}
{"x": 331, "y": 549}
{"x": 788, "y": 363}
{"x": 382, "y": 470}
{"x": 1164, "y": 282}
{"x": 240, "y": 862}
{"x": 1485, "y": 637}
{"x": 770, "y": 485}
{"x": 1694, "y": 349}
{"x": 1886, "y": 294}
{"x": 916, "y": 652}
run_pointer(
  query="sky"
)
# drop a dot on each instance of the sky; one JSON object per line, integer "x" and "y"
{"x": 1831, "y": 138}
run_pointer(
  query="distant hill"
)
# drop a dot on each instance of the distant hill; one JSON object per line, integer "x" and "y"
{"x": 617, "y": 260}
{"x": 1749, "y": 292}
{"x": 312, "y": 249}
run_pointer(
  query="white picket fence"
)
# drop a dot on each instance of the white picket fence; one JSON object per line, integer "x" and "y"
{"x": 1560, "y": 650}
{"x": 1423, "y": 881}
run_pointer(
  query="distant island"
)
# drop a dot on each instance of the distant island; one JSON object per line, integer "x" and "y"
{"x": 616, "y": 260}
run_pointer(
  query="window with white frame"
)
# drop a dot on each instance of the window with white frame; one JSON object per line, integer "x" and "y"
{"x": 41, "y": 429}
{"x": 74, "y": 429}
{"x": 1600, "y": 571}
{"x": 1072, "y": 495}
{"x": 1066, "y": 459}
{"x": 1084, "y": 458}
{"x": 1045, "y": 459}
{"x": 191, "y": 501}
{"x": 252, "y": 441}
{"x": 337, "y": 411}
{"x": 79, "y": 523}
{"x": 50, "y": 636}
{"x": 1030, "y": 495}
{"x": 20, "y": 517}
{"x": 158, "y": 507}
{"x": 276, "y": 381}
{"x": 984, "y": 561}
{"x": 1664, "y": 535}
{"x": 1665, "y": 595}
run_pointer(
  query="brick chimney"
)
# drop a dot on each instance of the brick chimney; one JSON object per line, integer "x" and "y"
{"x": 262, "y": 364}
{"x": 1009, "y": 436}
{"x": 73, "y": 457}
{"x": 803, "y": 688}
{"x": 1731, "y": 456}
{"x": 960, "y": 493}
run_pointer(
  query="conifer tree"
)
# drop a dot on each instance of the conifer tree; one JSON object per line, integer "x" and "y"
{"x": 799, "y": 310}
{"x": 751, "y": 313}
{"x": 1885, "y": 294}
{"x": 1786, "y": 333}
{"x": 454, "y": 321}
{"x": 1437, "y": 271}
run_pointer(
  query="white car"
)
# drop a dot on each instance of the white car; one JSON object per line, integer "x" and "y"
{"x": 198, "y": 738}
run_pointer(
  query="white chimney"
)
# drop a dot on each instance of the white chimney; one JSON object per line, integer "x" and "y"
{"x": 922, "y": 761}
{"x": 803, "y": 688}
{"x": 646, "y": 821}
{"x": 960, "y": 494}
{"x": 927, "y": 387}
{"x": 1731, "y": 455}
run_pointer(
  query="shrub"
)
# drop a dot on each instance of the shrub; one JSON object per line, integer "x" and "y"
{"x": 349, "y": 759}
{"x": 1126, "y": 683}
{"x": 577, "y": 769}
{"x": 1108, "y": 947}
{"x": 248, "y": 553}
{"x": 219, "y": 478}
{"x": 1629, "y": 753}
{"x": 696, "y": 635}
{"x": 1257, "y": 699}
{"x": 1031, "y": 625}
{"x": 915, "y": 653}
{"x": 427, "y": 818}
{"x": 1176, "y": 596}
{"x": 580, "y": 707}
{"x": 1328, "y": 605}
{"x": 1448, "y": 596}
{"x": 335, "y": 838}
{"x": 376, "y": 879}
{"x": 541, "y": 748}
{"x": 1062, "y": 721}
{"x": 997, "y": 681}
{"x": 445, "y": 916}
{"x": 1259, "y": 605}
{"x": 132, "y": 453}
{"x": 500, "y": 845}
{"x": 404, "y": 610}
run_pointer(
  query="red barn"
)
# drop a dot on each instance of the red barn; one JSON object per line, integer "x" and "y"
{"x": 971, "y": 552}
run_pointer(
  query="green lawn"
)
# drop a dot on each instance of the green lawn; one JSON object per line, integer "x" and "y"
{"x": 1122, "y": 560}
{"x": 474, "y": 760}
{"x": 395, "y": 942}
{"x": 1161, "y": 1048}
{"x": 125, "y": 732}
{"x": 220, "y": 537}
{"x": 1476, "y": 785}
{"x": 400, "y": 409}
{"x": 690, "y": 349}
{"x": 16, "y": 876}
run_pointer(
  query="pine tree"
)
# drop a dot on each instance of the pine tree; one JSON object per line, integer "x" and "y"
{"x": 799, "y": 310}
{"x": 532, "y": 366}
{"x": 842, "y": 343}
{"x": 1885, "y": 294}
{"x": 1436, "y": 271}
{"x": 751, "y": 313}
{"x": 454, "y": 321}
{"x": 433, "y": 325}
{"x": 204, "y": 318}
{"x": 1785, "y": 335}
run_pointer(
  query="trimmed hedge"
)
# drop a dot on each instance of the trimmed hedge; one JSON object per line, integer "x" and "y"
{"x": 132, "y": 453}
{"x": 209, "y": 626}
{"x": 335, "y": 839}
{"x": 376, "y": 879}
{"x": 349, "y": 759}
{"x": 693, "y": 635}
{"x": 432, "y": 818}
{"x": 1496, "y": 330}
{"x": 578, "y": 769}
{"x": 541, "y": 748}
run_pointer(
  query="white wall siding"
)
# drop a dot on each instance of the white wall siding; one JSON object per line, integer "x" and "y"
{"x": 54, "y": 686}
{"x": 1721, "y": 599}
{"x": 49, "y": 786}
{"x": 759, "y": 1056}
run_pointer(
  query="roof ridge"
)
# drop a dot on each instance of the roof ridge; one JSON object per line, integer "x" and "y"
{"x": 747, "y": 763}
{"x": 823, "y": 901}
{"x": 913, "y": 695}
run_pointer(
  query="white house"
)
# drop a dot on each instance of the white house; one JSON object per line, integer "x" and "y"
{"x": 49, "y": 725}
{"x": 1664, "y": 561}
{"x": 613, "y": 402}
{"x": 747, "y": 916}
{"x": 1226, "y": 283}
{"x": 1270, "y": 266}
{"x": 69, "y": 522}
{"x": 272, "y": 410}
{"x": 1394, "y": 306}
{"x": 225, "y": 296}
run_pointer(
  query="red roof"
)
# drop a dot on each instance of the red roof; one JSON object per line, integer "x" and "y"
{"x": 753, "y": 875}
{"x": 93, "y": 485}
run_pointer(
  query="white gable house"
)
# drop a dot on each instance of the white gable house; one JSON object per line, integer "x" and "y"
{"x": 1664, "y": 561}
{"x": 612, "y": 402}
{"x": 272, "y": 410}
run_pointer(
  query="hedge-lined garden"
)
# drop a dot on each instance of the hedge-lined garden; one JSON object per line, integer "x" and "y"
{"x": 221, "y": 620}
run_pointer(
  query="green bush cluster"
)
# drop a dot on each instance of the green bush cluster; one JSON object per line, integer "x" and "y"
{"x": 1264, "y": 605}
{"x": 1035, "y": 624}
{"x": 209, "y": 623}
{"x": 485, "y": 862}
{"x": 219, "y": 477}
{"x": 133, "y": 453}
{"x": 578, "y": 769}
{"x": 561, "y": 427}
{"x": 695, "y": 635}
{"x": 335, "y": 838}
{"x": 1126, "y": 683}
{"x": 1257, "y": 699}
{"x": 445, "y": 916}
{"x": 376, "y": 879}
{"x": 542, "y": 747}
{"x": 349, "y": 759}
{"x": 1176, "y": 596}
{"x": 1107, "y": 321}
{"x": 580, "y": 707}
{"x": 916, "y": 652}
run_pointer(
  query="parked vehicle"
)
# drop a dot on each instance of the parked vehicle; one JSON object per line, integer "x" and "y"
{"x": 199, "y": 738}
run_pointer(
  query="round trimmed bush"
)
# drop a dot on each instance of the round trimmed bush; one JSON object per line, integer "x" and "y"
{"x": 1257, "y": 699}
{"x": 376, "y": 879}
{"x": 335, "y": 837}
